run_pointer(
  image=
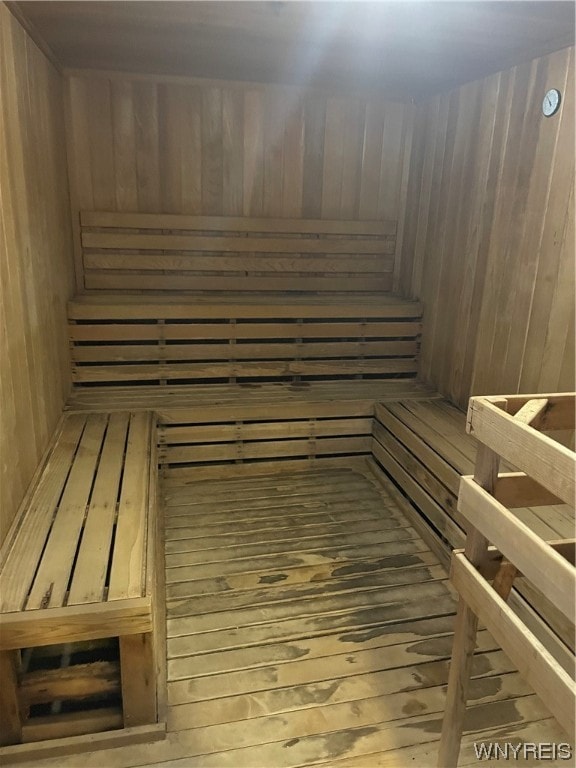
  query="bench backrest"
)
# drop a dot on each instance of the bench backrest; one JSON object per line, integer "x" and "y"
{"x": 141, "y": 251}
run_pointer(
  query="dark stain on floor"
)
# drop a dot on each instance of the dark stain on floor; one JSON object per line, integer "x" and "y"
{"x": 274, "y": 578}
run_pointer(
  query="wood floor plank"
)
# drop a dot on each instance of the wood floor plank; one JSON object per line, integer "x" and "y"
{"x": 306, "y": 536}
{"x": 308, "y": 599}
{"x": 314, "y": 626}
{"x": 415, "y": 640}
{"x": 312, "y": 517}
{"x": 270, "y": 500}
{"x": 407, "y": 666}
{"x": 300, "y": 722}
{"x": 426, "y": 754}
{"x": 325, "y": 745}
{"x": 297, "y": 575}
{"x": 276, "y": 562}
{"x": 220, "y": 554}
{"x": 312, "y": 633}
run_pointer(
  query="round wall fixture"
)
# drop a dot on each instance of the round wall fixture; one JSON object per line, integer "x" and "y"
{"x": 551, "y": 102}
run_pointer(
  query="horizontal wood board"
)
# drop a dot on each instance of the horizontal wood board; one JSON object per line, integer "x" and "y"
{"x": 152, "y": 341}
{"x": 210, "y": 253}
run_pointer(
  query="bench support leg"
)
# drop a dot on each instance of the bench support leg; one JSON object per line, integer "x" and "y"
{"x": 10, "y": 721}
{"x": 138, "y": 672}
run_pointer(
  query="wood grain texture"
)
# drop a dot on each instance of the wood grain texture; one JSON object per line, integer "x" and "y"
{"x": 315, "y": 656}
{"x": 489, "y": 238}
{"x": 36, "y": 269}
{"x": 154, "y": 146}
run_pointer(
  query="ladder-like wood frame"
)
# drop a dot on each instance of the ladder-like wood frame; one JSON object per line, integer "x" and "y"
{"x": 512, "y": 428}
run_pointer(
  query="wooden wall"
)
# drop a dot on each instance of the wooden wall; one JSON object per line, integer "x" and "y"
{"x": 201, "y": 147}
{"x": 489, "y": 234}
{"x": 36, "y": 267}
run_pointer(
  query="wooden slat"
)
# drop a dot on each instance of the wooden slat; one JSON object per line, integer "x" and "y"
{"x": 197, "y": 331}
{"x": 418, "y": 472}
{"x": 235, "y": 224}
{"x": 183, "y": 539}
{"x": 516, "y": 489}
{"x": 270, "y": 449}
{"x": 51, "y": 580}
{"x": 216, "y": 263}
{"x": 28, "y": 629}
{"x": 222, "y": 433}
{"x": 558, "y": 414}
{"x": 11, "y": 724}
{"x": 198, "y": 283}
{"x": 389, "y": 657}
{"x": 94, "y": 554}
{"x": 199, "y": 351}
{"x": 71, "y": 745}
{"x": 109, "y": 307}
{"x": 539, "y": 563}
{"x": 139, "y": 705}
{"x": 71, "y": 724}
{"x": 540, "y": 669}
{"x": 127, "y": 576}
{"x": 140, "y": 372}
{"x": 36, "y": 518}
{"x": 431, "y": 509}
{"x": 75, "y": 682}
{"x": 546, "y": 461}
{"x": 419, "y": 447}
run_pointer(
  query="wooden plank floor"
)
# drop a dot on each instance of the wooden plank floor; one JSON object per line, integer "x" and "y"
{"x": 309, "y": 624}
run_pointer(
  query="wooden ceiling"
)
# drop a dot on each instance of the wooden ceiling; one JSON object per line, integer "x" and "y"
{"x": 406, "y": 49}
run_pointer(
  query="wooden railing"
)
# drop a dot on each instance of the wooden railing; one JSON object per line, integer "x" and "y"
{"x": 511, "y": 428}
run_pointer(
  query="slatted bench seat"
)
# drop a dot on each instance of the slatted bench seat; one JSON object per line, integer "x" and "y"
{"x": 79, "y": 564}
{"x": 119, "y": 340}
{"x": 255, "y": 428}
{"x": 424, "y": 447}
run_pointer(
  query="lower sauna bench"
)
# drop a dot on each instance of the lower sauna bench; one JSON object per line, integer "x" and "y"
{"x": 309, "y": 624}
{"x": 78, "y": 590}
{"x": 423, "y": 446}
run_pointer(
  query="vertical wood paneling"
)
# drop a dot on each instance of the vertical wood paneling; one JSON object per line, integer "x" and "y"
{"x": 489, "y": 242}
{"x": 253, "y": 155}
{"x": 275, "y": 113}
{"x": 146, "y": 129}
{"x": 195, "y": 167}
{"x": 232, "y": 149}
{"x": 212, "y": 173}
{"x": 140, "y": 144}
{"x": 292, "y": 174}
{"x": 124, "y": 138}
{"x": 36, "y": 267}
{"x": 314, "y": 134}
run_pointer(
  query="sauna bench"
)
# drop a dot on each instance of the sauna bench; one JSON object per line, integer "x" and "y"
{"x": 423, "y": 446}
{"x": 120, "y": 340}
{"x": 79, "y": 563}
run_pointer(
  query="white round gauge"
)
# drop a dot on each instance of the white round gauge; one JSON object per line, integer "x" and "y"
{"x": 551, "y": 102}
